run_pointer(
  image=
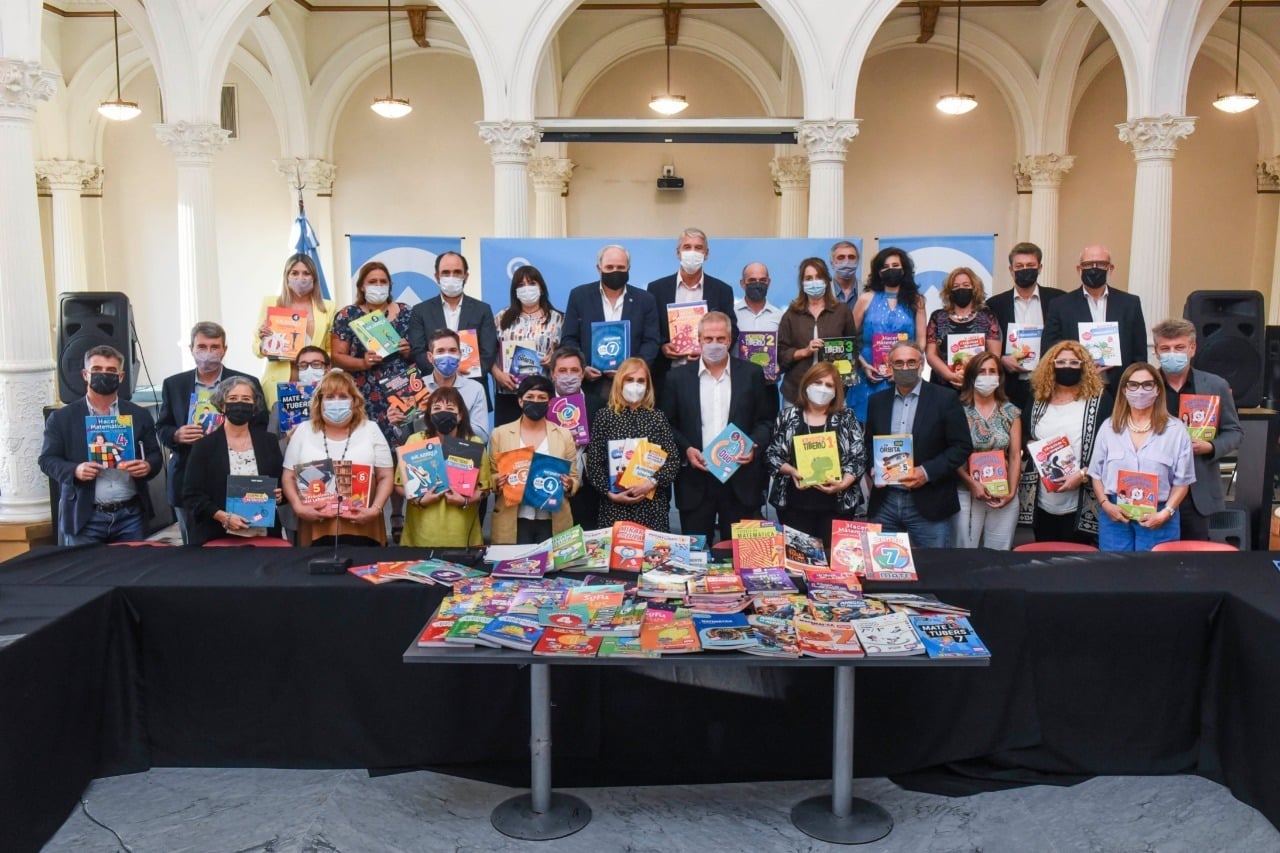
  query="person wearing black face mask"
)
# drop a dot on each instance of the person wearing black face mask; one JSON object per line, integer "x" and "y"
{"x": 97, "y": 502}
{"x": 1095, "y": 301}
{"x": 1025, "y": 304}
{"x": 511, "y": 448}
{"x": 889, "y": 310}
{"x": 240, "y": 448}
{"x": 963, "y": 327}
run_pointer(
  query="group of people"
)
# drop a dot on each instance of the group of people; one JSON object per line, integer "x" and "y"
{"x": 679, "y": 396}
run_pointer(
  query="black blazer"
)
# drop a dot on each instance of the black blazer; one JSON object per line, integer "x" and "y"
{"x": 428, "y": 316}
{"x": 753, "y": 406}
{"x": 717, "y": 295}
{"x": 204, "y": 488}
{"x": 66, "y": 446}
{"x": 584, "y": 308}
{"x": 175, "y": 402}
{"x": 1060, "y": 324}
{"x": 940, "y": 445}
{"x": 1002, "y": 306}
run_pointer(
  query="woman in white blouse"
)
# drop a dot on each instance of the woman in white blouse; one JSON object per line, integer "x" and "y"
{"x": 528, "y": 322}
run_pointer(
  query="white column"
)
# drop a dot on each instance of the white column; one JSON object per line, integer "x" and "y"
{"x": 65, "y": 180}
{"x": 1022, "y": 185}
{"x": 26, "y": 352}
{"x": 826, "y": 142}
{"x": 1154, "y": 142}
{"x": 1045, "y": 172}
{"x": 316, "y": 178}
{"x": 511, "y": 145}
{"x": 1269, "y": 184}
{"x": 193, "y": 146}
{"x": 791, "y": 178}
{"x": 551, "y": 177}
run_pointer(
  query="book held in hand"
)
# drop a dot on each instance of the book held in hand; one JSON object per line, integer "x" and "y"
{"x": 682, "y": 325}
{"x": 817, "y": 457}
{"x": 1137, "y": 493}
{"x": 891, "y": 456}
{"x": 1102, "y": 340}
{"x": 643, "y": 465}
{"x": 843, "y": 355}
{"x": 376, "y": 334}
{"x": 760, "y": 348}
{"x": 1023, "y": 343}
{"x": 406, "y": 391}
{"x": 990, "y": 468}
{"x": 462, "y": 458}
{"x": 202, "y": 412}
{"x": 722, "y": 453}
{"x": 570, "y": 412}
{"x": 317, "y": 483}
{"x": 253, "y": 499}
{"x": 521, "y": 359}
{"x": 1055, "y": 460}
{"x": 110, "y": 439}
{"x": 961, "y": 348}
{"x": 287, "y": 329}
{"x": 882, "y": 343}
{"x": 293, "y": 404}
{"x": 620, "y": 451}
{"x": 354, "y": 483}
{"x": 1199, "y": 413}
{"x": 544, "y": 489}
{"x": 513, "y": 474}
{"x": 610, "y": 344}
{"x": 469, "y": 353}
{"x": 422, "y": 467}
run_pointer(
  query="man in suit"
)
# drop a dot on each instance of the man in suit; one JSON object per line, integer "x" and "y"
{"x": 610, "y": 298}
{"x": 100, "y": 501}
{"x": 1026, "y": 304}
{"x": 1175, "y": 342}
{"x": 690, "y": 284}
{"x": 924, "y": 501}
{"x": 1095, "y": 302}
{"x": 568, "y": 368}
{"x": 456, "y": 311}
{"x": 176, "y": 432}
{"x": 700, "y": 399}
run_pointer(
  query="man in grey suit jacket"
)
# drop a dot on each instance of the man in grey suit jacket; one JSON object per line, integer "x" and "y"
{"x": 1175, "y": 348}
{"x": 454, "y": 310}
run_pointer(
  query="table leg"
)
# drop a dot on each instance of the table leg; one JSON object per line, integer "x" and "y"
{"x": 541, "y": 814}
{"x": 842, "y": 819}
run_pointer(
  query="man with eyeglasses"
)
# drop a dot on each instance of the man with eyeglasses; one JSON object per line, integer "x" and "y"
{"x": 923, "y": 502}
{"x": 100, "y": 502}
{"x": 1175, "y": 342}
{"x": 1025, "y": 305}
{"x": 1096, "y": 302}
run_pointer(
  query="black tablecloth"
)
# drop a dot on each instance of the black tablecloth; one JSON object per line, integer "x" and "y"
{"x": 1147, "y": 663}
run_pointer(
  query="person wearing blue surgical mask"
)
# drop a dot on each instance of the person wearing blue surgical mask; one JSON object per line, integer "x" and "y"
{"x": 445, "y": 349}
{"x": 844, "y": 268}
{"x": 812, "y": 317}
{"x": 1175, "y": 342}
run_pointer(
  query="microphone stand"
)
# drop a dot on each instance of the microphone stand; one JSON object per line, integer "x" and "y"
{"x": 334, "y": 565}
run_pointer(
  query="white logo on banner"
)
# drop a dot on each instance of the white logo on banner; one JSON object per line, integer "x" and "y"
{"x": 406, "y": 259}
{"x": 515, "y": 264}
{"x": 944, "y": 259}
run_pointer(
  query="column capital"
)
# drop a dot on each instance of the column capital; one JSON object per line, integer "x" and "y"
{"x": 23, "y": 83}
{"x": 1156, "y": 138}
{"x": 551, "y": 174}
{"x": 308, "y": 172}
{"x": 1269, "y": 175}
{"x": 1045, "y": 171}
{"x": 790, "y": 172}
{"x": 828, "y": 139}
{"x": 194, "y": 142}
{"x": 75, "y": 175}
{"x": 510, "y": 141}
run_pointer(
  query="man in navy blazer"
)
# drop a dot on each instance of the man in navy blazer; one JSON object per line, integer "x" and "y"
{"x": 100, "y": 501}
{"x": 728, "y": 391}
{"x": 1026, "y": 304}
{"x": 610, "y": 298}
{"x": 1094, "y": 301}
{"x": 690, "y": 284}
{"x": 924, "y": 501}
{"x": 453, "y": 309}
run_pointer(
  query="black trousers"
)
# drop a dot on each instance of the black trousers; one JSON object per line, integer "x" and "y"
{"x": 719, "y": 509}
{"x": 1018, "y": 391}
{"x": 1193, "y": 524}
{"x": 585, "y": 506}
{"x": 1059, "y": 528}
{"x": 531, "y": 532}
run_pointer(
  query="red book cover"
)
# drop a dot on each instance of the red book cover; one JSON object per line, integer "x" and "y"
{"x": 1137, "y": 493}
{"x": 990, "y": 467}
{"x": 627, "y": 553}
{"x": 555, "y": 641}
{"x": 848, "y": 545}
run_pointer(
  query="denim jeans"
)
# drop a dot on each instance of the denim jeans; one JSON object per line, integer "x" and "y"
{"x": 123, "y": 525}
{"x": 1132, "y": 536}
{"x": 897, "y": 514}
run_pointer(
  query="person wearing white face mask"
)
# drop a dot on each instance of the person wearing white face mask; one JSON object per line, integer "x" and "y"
{"x": 988, "y": 517}
{"x": 700, "y": 401}
{"x": 527, "y": 325}
{"x": 300, "y": 291}
{"x": 817, "y": 407}
{"x": 456, "y": 311}
{"x": 630, "y": 415}
{"x": 813, "y": 315}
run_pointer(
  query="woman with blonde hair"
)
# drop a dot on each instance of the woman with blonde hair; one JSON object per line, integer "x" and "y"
{"x": 1070, "y": 400}
{"x": 299, "y": 291}
{"x": 339, "y": 449}
{"x": 630, "y": 414}
{"x": 964, "y": 311}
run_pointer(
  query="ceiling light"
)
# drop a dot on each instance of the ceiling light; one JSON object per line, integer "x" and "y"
{"x": 1237, "y": 101}
{"x": 957, "y": 103}
{"x": 391, "y": 106}
{"x": 118, "y": 110}
{"x": 668, "y": 104}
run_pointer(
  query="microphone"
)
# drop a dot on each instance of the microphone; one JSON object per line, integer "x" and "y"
{"x": 334, "y": 565}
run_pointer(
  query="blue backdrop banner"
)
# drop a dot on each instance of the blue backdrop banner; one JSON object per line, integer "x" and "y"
{"x": 411, "y": 260}
{"x": 568, "y": 262}
{"x": 936, "y": 256}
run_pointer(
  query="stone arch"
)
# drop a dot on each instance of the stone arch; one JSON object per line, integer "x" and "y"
{"x": 289, "y": 80}
{"x": 94, "y": 82}
{"x": 844, "y": 84}
{"x": 1059, "y": 76}
{"x": 695, "y": 35}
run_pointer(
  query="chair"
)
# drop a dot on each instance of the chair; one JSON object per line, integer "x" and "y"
{"x": 1055, "y": 546}
{"x": 1193, "y": 545}
{"x": 1231, "y": 526}
{"x": 257, "y": 542}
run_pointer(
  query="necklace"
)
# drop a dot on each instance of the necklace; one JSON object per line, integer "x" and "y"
{"x": 346, "y": 445}
{"x": 1133, "y": 427}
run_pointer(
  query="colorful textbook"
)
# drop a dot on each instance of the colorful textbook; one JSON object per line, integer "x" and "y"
{"x": 948, "y": 636}
{"x": 1137, "y": 493}
{"x": 1023, "y": 343}
{"x": 888, "y": 557}
{"x": 1055, "y": 460}
{"x": 287, "y": 333}
{"x": 760, "y": 348}
{"x": 110, "y": 439}
{"x": 961, "y": 348}
{"x": 1199, "y": 413}
{"x": 405, "y": 391}
{"x": 293, "y": 404}
{"x": 376, "y": 334}
{"x": 721, "y": 454}
{"x": 1102, "y": 340}
{"x": 422, "y": 467}
{"x": 253, "y": 499}
{"x": 817, "y": 457}
{"x": 843, "y": 355}
{"x": 543, "y": 490}
{"x": 990, "y": 468}
{"x": 469, "y": 353}
{"x": 682, "y": 324}
{"x": 891, "y": 458}
{"x": 202, "y": 412}
{"x": 462, "y": 458}
{"x": 570, "y": 412}
{"x": 610, "y": 344}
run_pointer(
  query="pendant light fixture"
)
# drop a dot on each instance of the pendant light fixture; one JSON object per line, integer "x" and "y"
{"x": 118, "y": 110}
{"x": 957, "y": 103}
{"x": 391, "y": 106}
{"x": 668, "y": 104}
{"x": 1237, "y": 101}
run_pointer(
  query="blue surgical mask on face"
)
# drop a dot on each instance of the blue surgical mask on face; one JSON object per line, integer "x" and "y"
{"x": 1174, "y": 362}
{"x": 336, "y": 411}
{"x": 815, "y": 288}
{"x": 446, "y": 365}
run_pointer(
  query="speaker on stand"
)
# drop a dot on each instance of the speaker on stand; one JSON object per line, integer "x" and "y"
{"x": 1230, "y": 339}
{"x": 87, "y": 320}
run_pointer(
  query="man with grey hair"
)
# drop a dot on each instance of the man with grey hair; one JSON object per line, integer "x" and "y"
{"x": 1175, "y": 342}
{"x": 610, "y": 298}
{"x": 187, "y": 413}
{"x": 844, "y": 272}
{"x": 103, "y": 485}
{"x": 689, "y": 284}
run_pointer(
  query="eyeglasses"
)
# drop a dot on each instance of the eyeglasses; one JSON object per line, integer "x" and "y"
{"x": 1139, "y": 386}
{"x": 1095, "y": 265}
{"x": 1071, "y": 363}
{"x": 305, "y": 364}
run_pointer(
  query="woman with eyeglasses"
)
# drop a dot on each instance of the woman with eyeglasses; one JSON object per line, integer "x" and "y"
{"x": 1141, "y": 437}
{"x": 890, "y": 309}
{"x": 1071, "y": 400}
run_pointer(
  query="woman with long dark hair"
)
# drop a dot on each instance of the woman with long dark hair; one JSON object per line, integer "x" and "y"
{"x": 891, "y": 309}
{"x": 528, "y": 323}
{"x": 814, "y": 315}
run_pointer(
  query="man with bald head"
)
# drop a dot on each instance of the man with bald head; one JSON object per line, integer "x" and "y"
{"x": 1095, "y": 301}
{"x": 754, "y": 311}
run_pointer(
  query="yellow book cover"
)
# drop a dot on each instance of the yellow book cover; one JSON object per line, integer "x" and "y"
{"x": 644, "y": 465}
{"x": 817, "y": 458}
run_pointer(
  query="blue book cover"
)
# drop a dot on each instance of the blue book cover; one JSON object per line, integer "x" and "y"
{"x": 543, "y": 489}
{"x": 110, "y": 439}
{"x": 724, "y": 631}
{"x": 525, "y": 362}
{"x": 610, "y": 344}
{"x": 422, "y": 467}
{"x": 720, "y": 454}
{"x": 948, "y": 636}
{"x": 514, "y": 632}
{"x": 293, "y": 404}
{"x": 202, "y": 412}
{"x": 253, "y": 499}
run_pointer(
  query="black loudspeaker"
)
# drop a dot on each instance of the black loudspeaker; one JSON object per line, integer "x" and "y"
{"x": 87, "y": 320}
{"x": 1271, "y": 367}
{"x": 1230, "y": 337}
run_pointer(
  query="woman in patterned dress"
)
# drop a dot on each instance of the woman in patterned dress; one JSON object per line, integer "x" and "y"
{"x": 530, "y": 321}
